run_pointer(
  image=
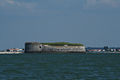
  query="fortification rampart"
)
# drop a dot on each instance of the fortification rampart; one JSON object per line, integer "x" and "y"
{"x": 35, "y": 47}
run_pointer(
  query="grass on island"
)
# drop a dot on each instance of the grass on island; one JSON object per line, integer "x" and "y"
{"x": 63, "y": 43}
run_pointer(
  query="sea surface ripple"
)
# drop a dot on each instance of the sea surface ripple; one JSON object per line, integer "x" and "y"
{"x": 60, "y": 66}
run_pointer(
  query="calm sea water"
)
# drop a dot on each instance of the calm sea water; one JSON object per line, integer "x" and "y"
{"x": 60, "y": 67}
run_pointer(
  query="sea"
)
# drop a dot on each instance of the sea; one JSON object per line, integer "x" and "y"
{"x": 61, "y": 66}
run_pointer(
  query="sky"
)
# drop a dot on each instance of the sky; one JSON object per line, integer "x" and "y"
{"x": 90, "y": 22}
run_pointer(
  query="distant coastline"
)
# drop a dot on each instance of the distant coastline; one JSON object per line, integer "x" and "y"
{"x": 11, "y": 52}
{"x": 59, "y": 47}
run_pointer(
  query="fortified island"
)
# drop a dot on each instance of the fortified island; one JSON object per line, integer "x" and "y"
{"x": 57, "y": 47}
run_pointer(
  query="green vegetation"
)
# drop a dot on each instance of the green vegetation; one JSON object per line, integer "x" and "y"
{"x": 63, "y": 43}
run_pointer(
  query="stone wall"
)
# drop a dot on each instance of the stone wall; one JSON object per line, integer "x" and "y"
{"x": 48, "y": 48}
{"x": 35, "y": 47}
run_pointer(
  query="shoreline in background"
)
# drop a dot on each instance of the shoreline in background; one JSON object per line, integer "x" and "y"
{"x": 63, "y": 53}
{"x": 11, "y": 52}
{"x": 59, "y": 47}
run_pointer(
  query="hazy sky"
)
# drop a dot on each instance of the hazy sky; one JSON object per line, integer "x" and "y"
{"x": 91, "y": 22}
